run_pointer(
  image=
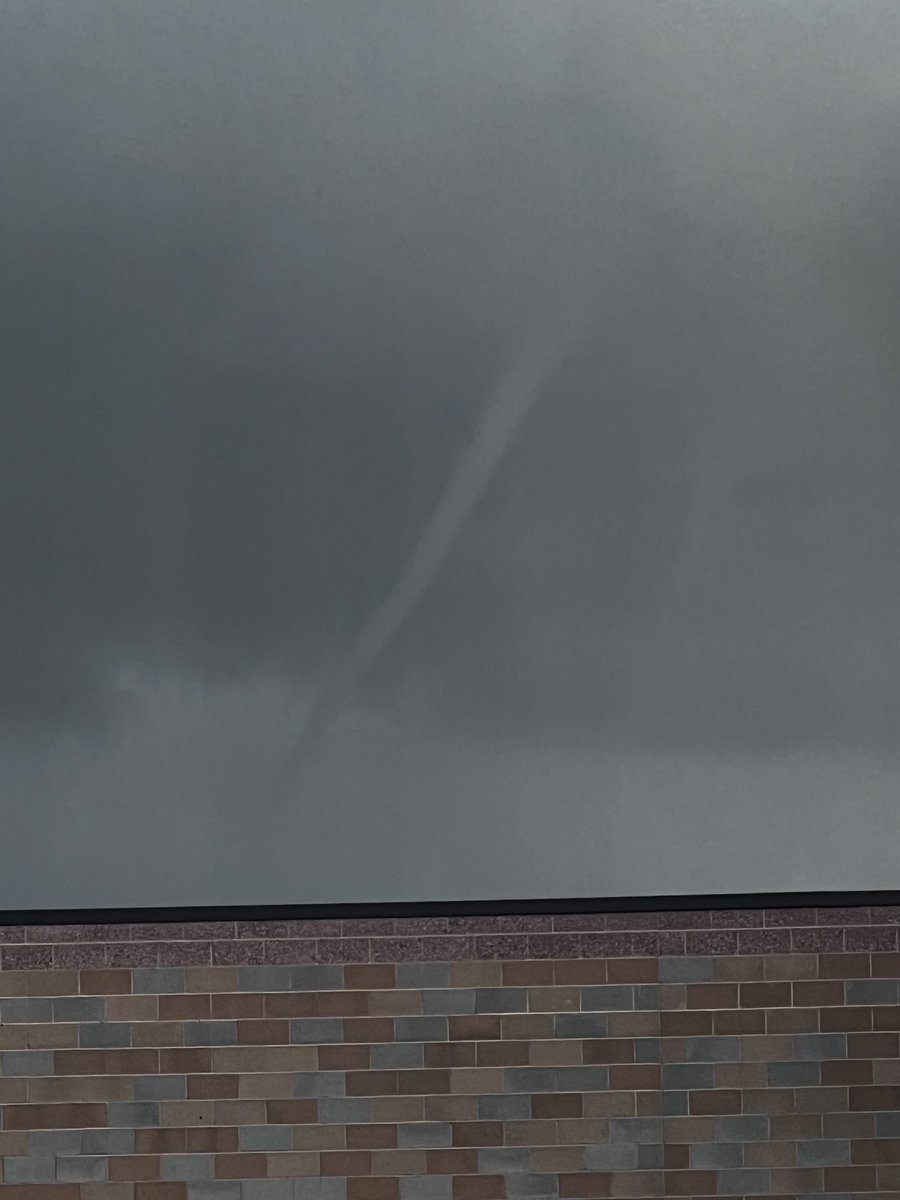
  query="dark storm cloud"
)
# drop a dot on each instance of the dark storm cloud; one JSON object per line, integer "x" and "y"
{"x": 263, "y": 270}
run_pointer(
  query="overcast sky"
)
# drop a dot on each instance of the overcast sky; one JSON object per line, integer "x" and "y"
{"x": 264, "y": 266}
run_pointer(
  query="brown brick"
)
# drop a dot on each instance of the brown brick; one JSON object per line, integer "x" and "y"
{"x": 765, "y": 995}
{"x": 724, "y": 1100}
{"x": 398, "y": 1162}
{"x": 689, "y": 1129}
{"x": 791, "y": 1020}
{"x": 477, "y": 1081}
{"x": 770, "y": 1154}
{"x": 473, "y": 1029}
{"x": 373, "y": 1189}
{"x": 845, "y": 1020}
{"x": 503, "y": 1054}
{"x": 452, "y": 1054}
{"x": 637, "y": 1076}
{"x": 886, "y": 965}
{"x": 672, "y": 996}
{"x": 288, "y": 1004}
{"x": 848, "y": 1125}
{"x": 372, "y": 1083}
{"x": 844, "y": 966}
{"x": 525, "y": 1026}
{"x": 41, "y": 1191}
{"x": 790, "y": 966}
{"x": 767, "y": 1048}
{"x": 795, "y": 1180}
{"x": 342, "y": 1004}
{"x": 51, "y": 983}
{"x": 344, "y": 1058}
{"x": 267, "y": 1085}
{"x": 421, "y": 1083}
{"x": 132, "y": 1062}
{"x": 633, "y": 1024}
{"x": 843, "y": 1073}
{"x": 48, "y": 1037}
{"x": 210, "y": 979}
{"x": 80, "y": 1062}
{"x": 476, "y": 974}
{"x": 732, "y": 968}
{"x": 886, "y": 1017}
{"x": 739, "y": 1020}
{"x": 132, "y": 1167}
{"x": 648, "y": 1104}
{"x": 54, "y": 1116}
{"x": 293, "y": 1164}
{"x": 886, "y": 1070}
{"x": 888, "y": 1179}
{"x": 818, "y": 993}
{"x": 233, "y": 1006}
{"x": 239, "y": 1112}
{"x": 239, "y": 1059}
{"x": 554, "y": 999}
{"x": 690, "y": 1183}
{"x": 264, "y": 1033}
{"x": 321, "y": 1137}
{"x": 241, "y": 1166}
{"x": 160, "y": 1191}
{"x": 822, "y": 1099}
{"x": 479, "y": 1187}
{"x": 741, "y": 1075}
{"x": 365, "y": 976}
{"x": 435, "y": 1108}
{"x": 564, "y": 1052}
{"x": 590, "y": 1184}
{"x": 371, "y": 1137}
{"x": 13, "y": 1091}
{"x": 193, "y": 1006}
{"x": 368, "y": 1029}
{"x": 869, "y": 1099}
{"x": 104, "y": 982}
{"x": 575, "y": 1132}
{"x": 677, "y": 1157}
{"x": 580, "y": 971}
{"x": 478, "y": 1133}
{"x": 157, "y": 1033}
{"x": 178, "y": 1061}
{"x": 346, "y": 1162}
{"x": 632, "y": 970}
{"x": 850, "y": 1179}
{"x": 160, "y": 1141}
{"x": 553, "y": 1159}
{"x": 873, "y": 1045}
{"x": 212, "y": 1141}
{"x": 608, "y": 1050}
{"x": 291, "y": 1112}
{"x": 686, "y": 1023}
{"x": 556, "y": 1104}
{"x": 212, "y": 1087}
{"x": 187, "y": 1112}
{"x": 535, "y": 973}
{"x": 451, "y": 1162}
{"x": 770, "y": 1100}
{"x": 876, "y": 1150}
{"x": 712, "y": 995}
{"x": 395, "y": 1004}
{"x": 789, "y": 1127}
{"x": 608, "y": 1104}
{"x": 132, "y": 1008}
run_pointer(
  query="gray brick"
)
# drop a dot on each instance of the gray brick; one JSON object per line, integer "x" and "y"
{"x": 675, "y": 1104}
{"x": 26, "y": 1062}
{"x": 158, "y": 979}
{"x": 420, "y": 1029}
{"x": 555, "y": 1079}
{"x": 612, "y": 1156}
{"x": 646, "y": 996}
{"x": 712, "y": 1156}
{"x": 319, "y": 1083}
{"x": 210, "y": 1033}
{"x": 713, "y": 1049}
{"x": 612, "y": 997}
{"x": 427, "y": 1187}
{"x": 105, "y": 1034}
{"x": 647, "y": 1050}
{"x": 823, "y": 1153}
{"x": 685, "y": 969}
{"x": 314, "y": 1030}
{"x": 887, "y": 1124}
{"x": 504, "y": 1108}
{"x": 747, "y": 1181}
{"x": 501, "y": 1000}
{"x": 414, "y": 1135}
{"x": 140, "y": 1116}
{"x": 795, "y": 1074}
{"x": 79, "y": 1008}
{"x": 107, "y": 1141}
{"x": 343, "y": 1110}
{"x": 581, "y": 1025}
{"x": 29, "y": 1170}
{"x": 26, "y": 1010}
{"x": 533, "y": 1187}
{"x": 265, "y": 1137}
{"x": 187, "y": 1167}
{"x": 820, "y": 1045}
{"x": 320, "y": 1189}
{"x": 267, "y": 1189}
{"x": 219, "y": 1189}
{"x": 160, "y": 1087}
{"x": 423, "y": 975}
{"x": 871, "y": 991}
{"x": 265, "y": 979}
{"x": 639, "y": 1130}
{"x": 397, "y": 1056}
{"x": 650, "y": 1157}
{"x": 58, "y": 1141}
{"x": 742, "y": 1129}
{"x": 81, "y": 1169}
{"x": 687, "y": 1076}
{"x": 496, "y": 1160}
{"x": 317, "y": 977}
{"x": 451, "y": 1002}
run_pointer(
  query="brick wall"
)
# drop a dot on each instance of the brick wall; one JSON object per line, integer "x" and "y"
{"x": 742, "y": 1053}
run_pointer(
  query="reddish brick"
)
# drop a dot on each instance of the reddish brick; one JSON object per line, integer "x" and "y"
{"x": 850, "y": 1179}
{"x": 343, "y": 1058}
{"x": 876, "y": 1150}
{"x": 873, "y": 1045}
{"x": 585, "y": 1184}
{"x": 373, "y": 1189}
{"x": 634, "y": 1077}
{"x": 371, "y": 1137}
{"x": 871, "y": 1099}
{"x": 843, "y": 1073}
{"x": 690, "y": 1183}
{"x": 160, "y": 1191}
{"x": 479, "y": 1187}
{"x": 845, "y": 1020}
{"x": 54, "y": 1116}
{"x": 608, "y": 1050}
{"x": 556, "y": 1105}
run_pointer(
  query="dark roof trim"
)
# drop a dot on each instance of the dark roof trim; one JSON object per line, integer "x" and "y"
{"x": 449, "y": 908}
